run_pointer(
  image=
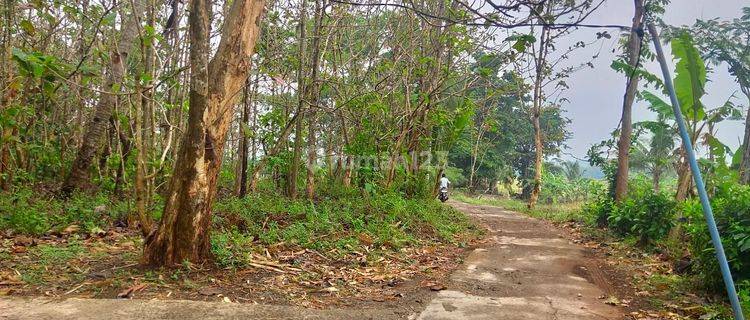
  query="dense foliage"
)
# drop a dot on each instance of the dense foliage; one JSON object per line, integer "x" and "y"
{"x": 731, "y": 205}
{"x": 645, "y": 214}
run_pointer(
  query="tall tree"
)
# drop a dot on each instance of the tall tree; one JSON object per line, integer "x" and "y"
{"x": 635, "y": 39}
{"x": 183, "y": 232}
{"x": 729, "y": 42}
{"x": 314, "y": 92}
{"x": 97, "y": 125}
{"x": 294, "y": 165}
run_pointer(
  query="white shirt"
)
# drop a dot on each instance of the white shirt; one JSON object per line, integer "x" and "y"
{"x": 444, "y": 182}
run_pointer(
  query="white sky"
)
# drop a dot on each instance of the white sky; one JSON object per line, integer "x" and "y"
{"x": 596, "y": 94}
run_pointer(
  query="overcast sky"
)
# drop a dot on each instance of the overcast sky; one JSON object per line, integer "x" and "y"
{"x": 596, "y": 94}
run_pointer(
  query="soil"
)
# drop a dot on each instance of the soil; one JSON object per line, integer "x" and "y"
{"x": 527, "y": 269}
{"x": 108, "y": 268}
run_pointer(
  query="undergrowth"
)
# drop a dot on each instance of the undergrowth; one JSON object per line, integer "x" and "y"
{"x": 333, "y": 226}
{"x": 339, "y": 222}
{"x": 25, "y": 211}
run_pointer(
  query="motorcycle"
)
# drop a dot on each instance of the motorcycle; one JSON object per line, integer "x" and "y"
{"x": 443, "y": 195}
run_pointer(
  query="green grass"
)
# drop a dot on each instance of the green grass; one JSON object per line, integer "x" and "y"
{"x": 49, "y": 254}
{"x": 557, "y": 212}
{"x": 339, "y": 223}
{"x": 335, "y": 225}
{"x": 51, "y": 257}
{"x": 25, "y": 211}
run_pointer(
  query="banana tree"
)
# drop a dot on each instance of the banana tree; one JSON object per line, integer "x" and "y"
{"x": 690, "y": 81}
{"x": 655, "y": 154}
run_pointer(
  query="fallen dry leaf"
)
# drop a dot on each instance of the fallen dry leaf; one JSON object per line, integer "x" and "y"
{"x": 128, "y": 293}
{"x": 613, "y": 301}
{"x": 438, "y": 287}
{"x": 209, "y": 291}
{"x": 71, "y": 229}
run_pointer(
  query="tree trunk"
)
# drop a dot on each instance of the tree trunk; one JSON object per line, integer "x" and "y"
{"x": 140, "y": 187}
{"x": 745, "y": 163}
{"x": 9, "y": 94}
{"x": 142, "y": 120}
{"x": 124, "y": 151}
{"x": 538, "y": 157}
{"x": 312, "y": 149}
{"x": 96, "y": 127}
{"x": 656, "y": 179}
{"x": 244, "y": 147}
{"x": 683, "y": 179}
{"x": 291, "y": 178}
{"x": 626, "y": 132}
{"x": 183, "y": 232}
{"x": 536, "y": 111}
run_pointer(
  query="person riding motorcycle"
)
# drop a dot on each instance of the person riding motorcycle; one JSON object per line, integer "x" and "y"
{"x": 443, "y": 194}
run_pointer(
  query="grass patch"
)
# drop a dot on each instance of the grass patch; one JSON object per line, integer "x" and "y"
{"x": 49, "y": 257}
{"x": 49, "y": 254}
{"x": 334, "y": 226}
{"x": 744, "y": 293}
{"x": 25, "y": 211}
{"x": 557, "y": 212}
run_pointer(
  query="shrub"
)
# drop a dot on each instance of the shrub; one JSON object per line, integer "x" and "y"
{"x": 744, "y": 288}
{"x": 21, "y": 214}
{"x": 600, "y": 204}
{"x": 557, "y": 188}
{"x": 644, "y": 214}
{"x": 731, "y": 207}
{"x": 230, "y": 247}
{"x": 648, "y": 216}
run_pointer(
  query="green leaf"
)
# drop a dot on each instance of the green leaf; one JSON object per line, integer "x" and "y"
{"x": 624, "y": 68}
{"x": 521, "y": 41}
{"x": 109, "y": 19}
{"x": 716, "y": 147}
{"x": 37, "y": 69}
{"x": 658, "y": 105}
{"x": 28, "y": 27}
{"x": 745, "y": 246}
{"x": 19, "y": 55}
{"x": 690, "y": 77}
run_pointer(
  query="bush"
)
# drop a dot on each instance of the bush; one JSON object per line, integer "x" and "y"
{"x": 731, "y": 206}
{"x": 600, "y": 204}
{"x": 230, "y": 247}
{"x": 21, "y": 214}
{"x": 648, "y": 216}
{"x": 644, "y": 214}
{"x": 744, "y": 288}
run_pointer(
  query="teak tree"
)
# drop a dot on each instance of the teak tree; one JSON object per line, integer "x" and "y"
{"x": 183, "y": 231}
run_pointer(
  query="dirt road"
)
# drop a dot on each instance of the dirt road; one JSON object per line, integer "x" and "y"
{"x": 526, "y": 270}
